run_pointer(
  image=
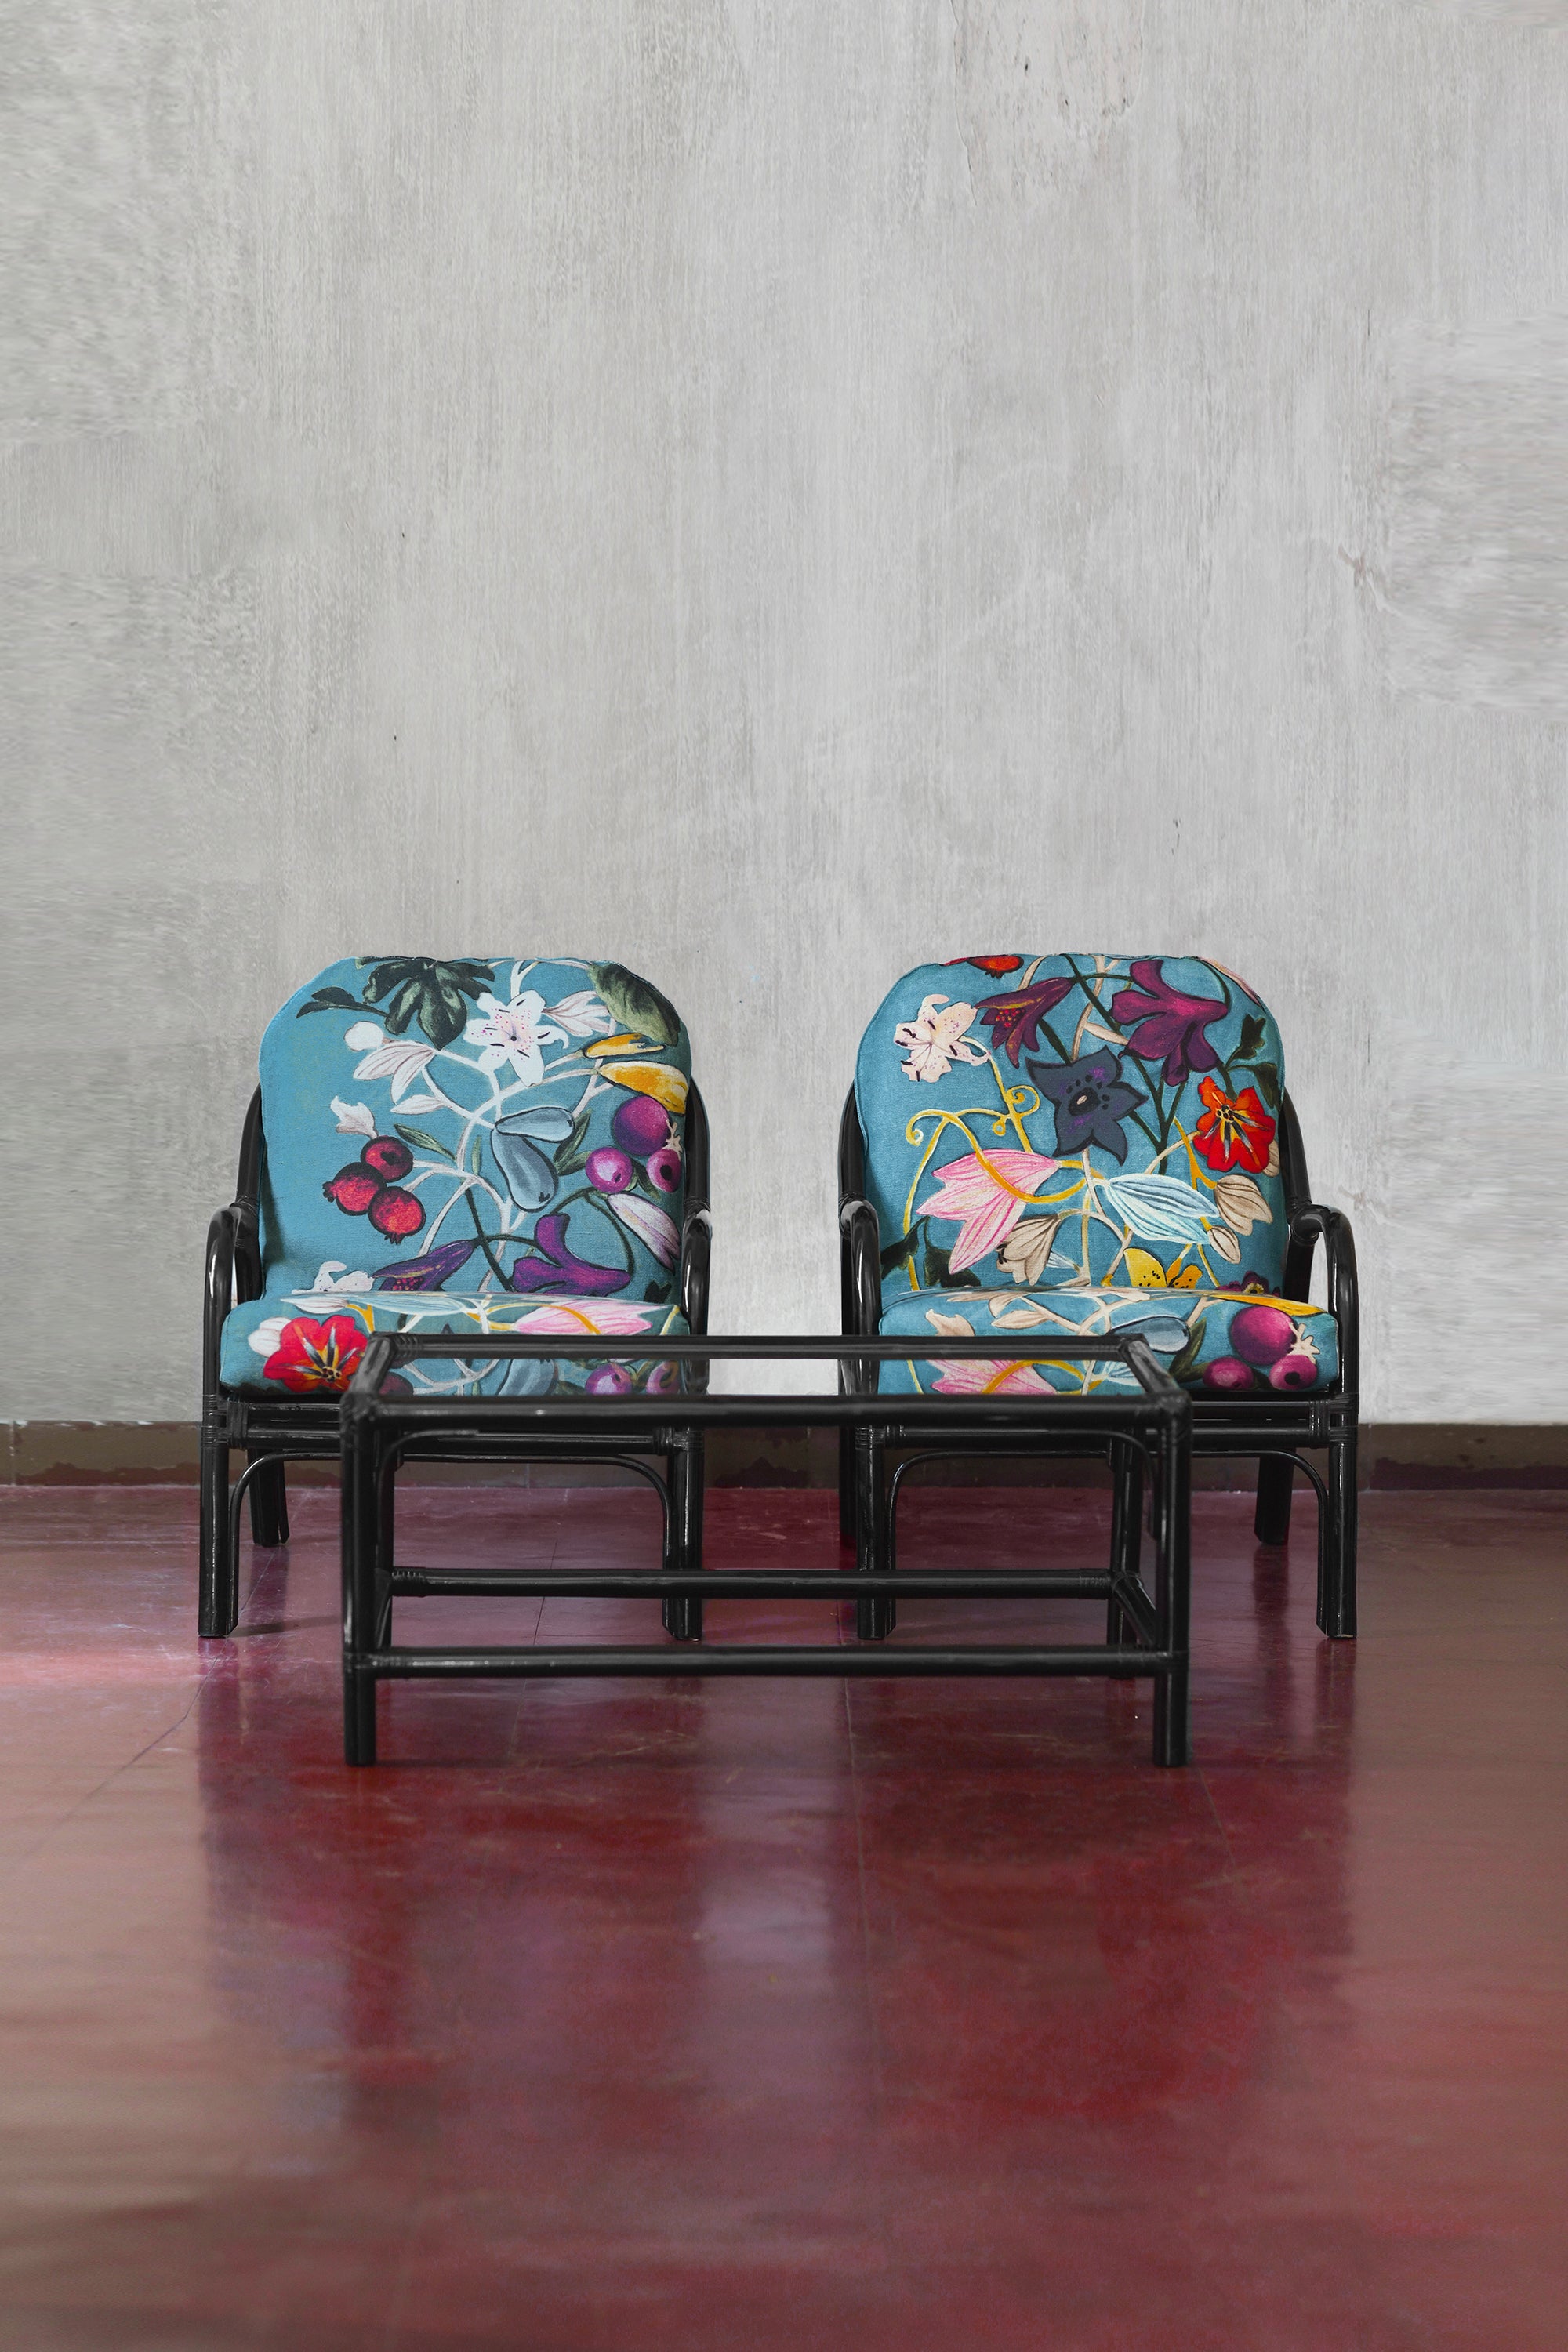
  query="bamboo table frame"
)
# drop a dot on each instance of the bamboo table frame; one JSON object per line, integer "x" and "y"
{"x": 1146, "y": 1633}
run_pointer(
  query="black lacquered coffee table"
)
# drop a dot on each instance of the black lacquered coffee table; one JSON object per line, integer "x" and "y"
{"x": 383, "y": 1428}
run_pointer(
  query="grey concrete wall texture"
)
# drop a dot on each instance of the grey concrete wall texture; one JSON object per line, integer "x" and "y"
{"x": 773, "y": 494}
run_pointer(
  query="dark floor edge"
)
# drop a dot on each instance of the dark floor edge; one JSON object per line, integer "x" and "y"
{"x": 1395, "y": 1455}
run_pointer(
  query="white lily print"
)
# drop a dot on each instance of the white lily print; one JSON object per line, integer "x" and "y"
{"x": 1241, "y": 1205}
{"x": 268, "y": 1338}
{"x": 936, "y": 1040}
{"x": 1027, "y": 1251}
{"x": 397, "y": 1059}
{"x": 649, "y": 1225}
{"x": 514, "y": 1033}
{"x": 582, "y": 1014}
{"x": 334, "y": 1281}
{"x": 335, "y": 1286}
{"x": 353, "y": 1118}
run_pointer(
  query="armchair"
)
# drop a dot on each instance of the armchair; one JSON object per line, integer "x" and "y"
{"x": 473, "y": 1145}
{"x": 1097, "y": 1143}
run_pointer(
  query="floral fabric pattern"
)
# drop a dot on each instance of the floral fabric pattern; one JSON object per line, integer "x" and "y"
{"x": 1094, "y": 1135}
{"x": 1216, "y": 1342}
{"x": 520, "y": 1133}
{"x": 312, "y": 1344}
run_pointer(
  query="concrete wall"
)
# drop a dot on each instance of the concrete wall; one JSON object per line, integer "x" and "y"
{"x": 773, "y": 494}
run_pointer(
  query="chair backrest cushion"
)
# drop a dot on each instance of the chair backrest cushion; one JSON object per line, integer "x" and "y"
{"x": 1048, "y": 1119}
{"x": 486, "y": 1123}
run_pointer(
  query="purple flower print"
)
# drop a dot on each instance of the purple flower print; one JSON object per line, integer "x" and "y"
{"x": 557, "y": 1267}
{"x": 1014, "y": 1017}
{"x": 1090, "y": 1102}
{"x": 1167, "y": 1023}
{"x": 431, "y": 1272}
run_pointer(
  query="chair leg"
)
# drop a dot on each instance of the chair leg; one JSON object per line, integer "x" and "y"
{"x": 1126, "y": 1530}
{"x": 218, "y": 1607}
{"x": 683, "y": 1612}
{"x": 874, "y": 1614}
{"x": 1172, "y": 1739}
{"x": 359, "y": 1720}
{"x": 847, "y": 1485}
{"x": 358, "y": 1723}
{"x": 269, "y": 1507}
{"x": 1337, "y": 1552}
{"x": 1271, "y": 1520}
{"x": 1172, "y": 1490}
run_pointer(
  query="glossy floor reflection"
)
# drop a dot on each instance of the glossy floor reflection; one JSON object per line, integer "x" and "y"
{"x": 647, "y": 2016}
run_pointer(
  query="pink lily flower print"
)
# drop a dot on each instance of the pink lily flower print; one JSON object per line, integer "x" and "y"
{"x": 610, "y": 1318}
{"x": 986, "y": 1376}
{"x": 988, "y": 1193}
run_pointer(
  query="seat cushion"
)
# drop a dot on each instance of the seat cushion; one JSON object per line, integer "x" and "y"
{"x": 1219, "y": 1343}
{"x": 1044, "y": 1119}
{"x": 309, "y": 1343}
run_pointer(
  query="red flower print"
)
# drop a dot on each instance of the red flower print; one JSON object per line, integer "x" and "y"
{"x": 318, "y": 1355}
{"x": 997, "y": 966}
{"x": 1235, "y": 1131}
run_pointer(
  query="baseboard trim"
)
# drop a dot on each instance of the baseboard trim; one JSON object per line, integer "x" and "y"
{"x": 1393, "y": 1456}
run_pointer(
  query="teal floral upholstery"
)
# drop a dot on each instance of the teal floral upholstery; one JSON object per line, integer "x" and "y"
{"x": 493, "y": 1145}
{"x": 1084, "y": 1143}
{"x": 1249, "y": 1345}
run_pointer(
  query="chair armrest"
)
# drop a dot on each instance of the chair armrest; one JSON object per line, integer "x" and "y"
{"x": 860, "y": 1269}
{"x": 217, "y": 1291}
{"x": 696, "y": 1253}
{"x": 233, "y": 1275}
{"x": 1333, "y": 1228}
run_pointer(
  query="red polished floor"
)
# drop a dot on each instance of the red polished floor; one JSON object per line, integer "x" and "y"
{"x": 704, "y": 2017}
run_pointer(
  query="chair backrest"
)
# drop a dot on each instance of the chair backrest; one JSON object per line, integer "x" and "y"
{"x": 486, "y": 1123}
{"x": 1049, "y": 1120}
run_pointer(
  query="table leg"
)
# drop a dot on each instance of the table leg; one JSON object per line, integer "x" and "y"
{"x": 1173, "y": 1597}
{"x": 1126, "y": 1530}
{"x": 847, "y": 1485}
{"x": 1337, "y": 1543}
{"x": 683, "y": 1612}
{"x": 875, "y": 1616}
